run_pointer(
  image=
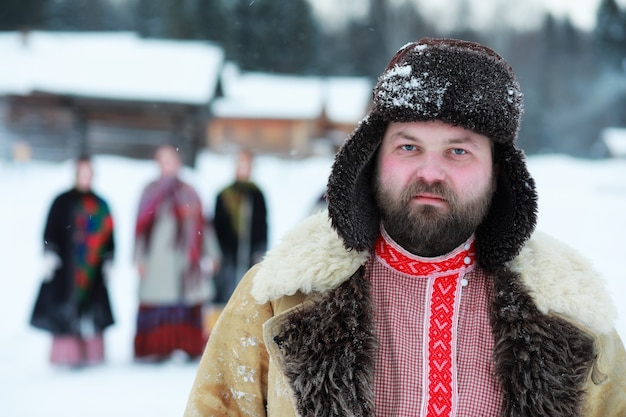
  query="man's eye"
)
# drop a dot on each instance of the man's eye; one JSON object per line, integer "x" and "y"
{"x": 408, "y": 147}
{"x": 459, "y": 151}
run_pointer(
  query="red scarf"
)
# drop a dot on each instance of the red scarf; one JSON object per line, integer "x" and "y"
{"x": 186, "y": 209}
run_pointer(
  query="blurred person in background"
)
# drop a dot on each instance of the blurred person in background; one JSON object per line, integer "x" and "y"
{"x": 240, "y": 221}
{"x": 73, "y": 301}
{"x": 175, "y": 257}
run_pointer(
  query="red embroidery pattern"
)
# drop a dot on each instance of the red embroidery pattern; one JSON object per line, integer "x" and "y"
{"x": 403, "y": 263}
{"x": 439, "y": 360}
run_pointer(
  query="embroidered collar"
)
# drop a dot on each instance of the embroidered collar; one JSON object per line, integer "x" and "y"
{"x": 397, "y": 258}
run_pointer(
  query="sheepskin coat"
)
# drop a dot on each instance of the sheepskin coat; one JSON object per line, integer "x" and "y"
{"x": 297, "y": 337}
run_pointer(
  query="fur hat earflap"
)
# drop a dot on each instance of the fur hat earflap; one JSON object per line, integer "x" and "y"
{"x": 460, "y": 83}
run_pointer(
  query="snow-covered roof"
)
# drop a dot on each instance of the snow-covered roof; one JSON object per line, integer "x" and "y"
{"x": 110, "y": 65}
{"x": 266, "y": 95}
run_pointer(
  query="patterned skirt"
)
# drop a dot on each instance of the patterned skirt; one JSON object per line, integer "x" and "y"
{"x": 161, "y": 330}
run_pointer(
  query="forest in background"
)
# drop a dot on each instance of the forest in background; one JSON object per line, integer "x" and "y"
{"x": 574, "y": 80}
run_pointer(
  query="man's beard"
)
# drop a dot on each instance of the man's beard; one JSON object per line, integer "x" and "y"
{"x": 425, "y": 230}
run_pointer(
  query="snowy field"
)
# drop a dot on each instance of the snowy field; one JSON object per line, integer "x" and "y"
{"x": 581, "y": 202}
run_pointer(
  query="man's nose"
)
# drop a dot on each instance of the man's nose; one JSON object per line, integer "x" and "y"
{"x": 430, "y": 168}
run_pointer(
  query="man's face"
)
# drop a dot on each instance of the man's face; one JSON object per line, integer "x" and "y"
{"x": 433, "y": 185}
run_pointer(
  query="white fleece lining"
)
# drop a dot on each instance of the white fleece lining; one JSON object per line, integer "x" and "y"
{"x": 561, "y": 280}
{"x": 309, "y": 258}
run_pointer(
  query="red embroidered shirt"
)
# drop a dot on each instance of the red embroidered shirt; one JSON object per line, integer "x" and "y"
{"x": 435, "y": 342}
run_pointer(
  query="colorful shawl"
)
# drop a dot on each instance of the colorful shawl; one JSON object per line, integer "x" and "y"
{"x": 187, "y": 211}
{"x": 92, "y": 232}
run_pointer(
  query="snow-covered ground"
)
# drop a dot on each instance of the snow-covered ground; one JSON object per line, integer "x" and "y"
{"x": 581, "y": 202}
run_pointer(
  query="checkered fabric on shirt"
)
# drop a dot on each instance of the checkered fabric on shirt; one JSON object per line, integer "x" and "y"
{"x": 408, "y": 380}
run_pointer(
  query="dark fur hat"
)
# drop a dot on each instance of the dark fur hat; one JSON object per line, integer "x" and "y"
{"x": 461, "y": 83}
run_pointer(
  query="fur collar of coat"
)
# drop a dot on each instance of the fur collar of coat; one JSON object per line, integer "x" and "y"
{"x": 312, "y": 258}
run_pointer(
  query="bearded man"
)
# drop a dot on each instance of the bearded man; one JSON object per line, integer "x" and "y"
{"x": 424, "y": 290}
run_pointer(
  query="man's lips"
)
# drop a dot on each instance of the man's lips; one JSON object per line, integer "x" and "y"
{"x": 426, "y": 198}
